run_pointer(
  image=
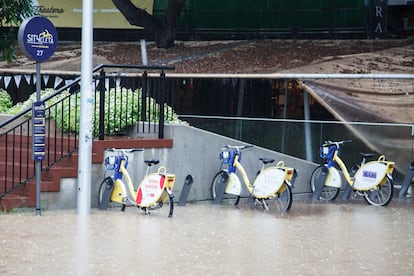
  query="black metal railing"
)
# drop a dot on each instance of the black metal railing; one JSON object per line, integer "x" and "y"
{"x": 62, "y": 125}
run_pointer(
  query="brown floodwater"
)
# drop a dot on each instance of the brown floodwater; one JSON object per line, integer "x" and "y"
{"x": 313, "y": 239}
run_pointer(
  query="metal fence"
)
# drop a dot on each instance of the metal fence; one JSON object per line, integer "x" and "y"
{"x": 141, "y": 104}
{"x": 303, "y": 138}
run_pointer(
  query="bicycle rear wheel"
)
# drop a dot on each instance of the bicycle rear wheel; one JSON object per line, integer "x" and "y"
{"x": 284, "y": 198}
{"x": 228, "y": 199}
{"x": 382, "y": 195}
{"x": 328, "y": 193}
{"x": 106, "y": 184}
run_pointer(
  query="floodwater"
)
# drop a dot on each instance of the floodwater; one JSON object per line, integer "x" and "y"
{"x": 313, "y": 239}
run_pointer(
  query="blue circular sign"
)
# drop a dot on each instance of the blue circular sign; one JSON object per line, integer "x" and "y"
{"x": 38, "y": 38}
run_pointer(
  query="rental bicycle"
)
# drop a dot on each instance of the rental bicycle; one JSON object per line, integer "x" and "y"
{"x": 272, "y": 185}
{"x": 154, "y": 192}
{"x": 372, "y": 180}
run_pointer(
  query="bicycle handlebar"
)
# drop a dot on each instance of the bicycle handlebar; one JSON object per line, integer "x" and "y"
{"x": 238, "y": 148}
{"x": 339, "y": 143}
{"x": 124, "y": 151}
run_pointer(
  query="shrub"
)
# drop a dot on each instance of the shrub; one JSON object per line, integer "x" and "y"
{"x": 5, "y": 101}
{"x": 124, "y": 101}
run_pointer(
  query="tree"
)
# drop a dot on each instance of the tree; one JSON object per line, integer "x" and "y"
{"x": 163, "y": 29}
{"x": 12, "y": 13}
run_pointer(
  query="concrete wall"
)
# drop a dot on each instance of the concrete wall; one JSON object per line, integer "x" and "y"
{"x": 194, "y": 152}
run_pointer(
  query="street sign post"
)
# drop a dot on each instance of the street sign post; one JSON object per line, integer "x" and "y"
{"x": 38, "y": 39}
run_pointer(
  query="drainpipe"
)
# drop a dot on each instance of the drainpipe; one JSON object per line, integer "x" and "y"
{"x": 308, "y": 132}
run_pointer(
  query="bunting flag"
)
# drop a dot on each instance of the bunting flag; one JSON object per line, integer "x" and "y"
{"x": 28, "y": 78}
{"x": 58, "y": 81}
{"x": 118, "y": 82}
{"x": 7, "y": 80}
{"x": 45, "y": 79}
{"x": 25, "y": 83}
{"x": 17, "y": 80}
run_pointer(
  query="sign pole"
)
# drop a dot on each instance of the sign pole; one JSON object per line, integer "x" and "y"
{"x": 38, "y": 163}
{"x": 38, "y": 39}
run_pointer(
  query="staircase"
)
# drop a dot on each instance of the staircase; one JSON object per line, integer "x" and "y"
{"x": 24, "y": 195}
{"x": 17, "y": 168}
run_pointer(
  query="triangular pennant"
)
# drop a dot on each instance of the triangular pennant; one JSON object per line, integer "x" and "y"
{"x": 17, "y": 80}
{"x": 58, "y": 81}
{"x": 45, "y": 79}
{"x": 7, "y": 80}
{"x": 27, "y": 78}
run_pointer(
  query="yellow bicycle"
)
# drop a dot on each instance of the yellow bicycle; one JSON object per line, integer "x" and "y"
{"x": 372, "y": 180}
{"x": 272, "y": 185}
{"x": 154, "y": 192}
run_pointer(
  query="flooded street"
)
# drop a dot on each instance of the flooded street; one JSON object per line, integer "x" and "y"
{"x": 313, "y": 239}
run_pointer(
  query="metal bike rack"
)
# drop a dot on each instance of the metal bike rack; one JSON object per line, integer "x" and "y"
{"x": 186, "y": 190}
{"x": 106, "y": 195}
{"x": 320, "y": 183}
{"x": 221, "y": 188}
{"x": 407, "y": 181}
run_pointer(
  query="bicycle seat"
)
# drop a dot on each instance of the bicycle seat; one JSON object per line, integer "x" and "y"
{"x": 365, "y": 155}
{"x": 267, "y": 160}
{"x": 151, "y": 162}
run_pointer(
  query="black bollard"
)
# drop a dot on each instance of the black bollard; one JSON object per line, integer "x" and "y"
{"x": 407, "y": 181}
{"x": 320, "y": 183}
{"x": 221, "y": 188}
{"x": 106, "y": 196}
{"x": 186, "y": 190}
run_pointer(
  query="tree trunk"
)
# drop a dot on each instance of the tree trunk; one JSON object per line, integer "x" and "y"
{"x": 163, "y": 29}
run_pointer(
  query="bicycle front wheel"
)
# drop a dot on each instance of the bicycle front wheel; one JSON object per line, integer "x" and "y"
{"x": 381, "y": 195}
{"x": 104, "y": 199}
{"x": 328, "y": 193}
{"x": 228, "y": 199}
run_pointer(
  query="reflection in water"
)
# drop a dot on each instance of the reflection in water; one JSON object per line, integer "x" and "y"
{"x": 314, "y": 239}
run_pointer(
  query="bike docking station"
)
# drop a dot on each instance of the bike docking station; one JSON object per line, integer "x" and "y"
{"x": 407, "y": 181}
{"x": 221, "y": 188}
{"x": 410, "y": 172}
{"x": 37, "y": 37}
{"x": 188, "y": 182}
{"x": 320, "y": 184}
{"x": 106, "y": 196}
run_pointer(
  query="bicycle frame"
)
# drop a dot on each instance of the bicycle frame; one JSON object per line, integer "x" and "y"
{"x": 263, "y": 186}
{"x": 149, "y": 191}
{"x": 368, "y": 176}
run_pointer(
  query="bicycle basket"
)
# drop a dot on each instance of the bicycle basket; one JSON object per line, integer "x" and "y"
{"x": 324, "y": 152}
{"x": 110, "y": 162}
{"x": 225, "y": 157}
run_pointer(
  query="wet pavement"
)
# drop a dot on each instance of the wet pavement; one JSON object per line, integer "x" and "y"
{"x": 313, "y": 239}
